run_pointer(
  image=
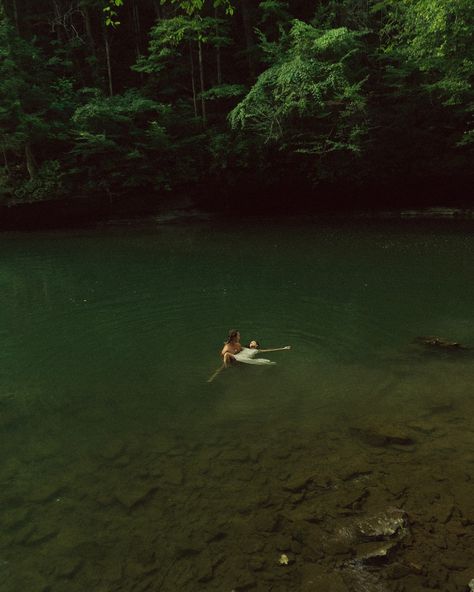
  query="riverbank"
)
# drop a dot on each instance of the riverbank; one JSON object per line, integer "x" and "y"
{"x": 407, "y": 202}
{"x": 82, "y": 213}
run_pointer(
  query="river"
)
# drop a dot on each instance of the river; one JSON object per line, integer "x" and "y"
{"x": 124, "y": 469}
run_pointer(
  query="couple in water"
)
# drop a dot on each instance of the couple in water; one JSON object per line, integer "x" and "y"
{"x": 234, "y": 352}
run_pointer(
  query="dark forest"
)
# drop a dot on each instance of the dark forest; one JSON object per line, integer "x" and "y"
{"x": 348, "y": 103}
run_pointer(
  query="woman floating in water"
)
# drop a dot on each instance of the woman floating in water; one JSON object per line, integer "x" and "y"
{"x": 233, "y": 352}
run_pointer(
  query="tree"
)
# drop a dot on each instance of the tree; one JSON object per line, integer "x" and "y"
{"x": 177, "y": 46}
{"x": 115, "y": 141}
{"x": 190, "y": 7}
{"x": 306, "y": 88}
{"x": 34, "y": 109}
{"x": 310, "y": 101}
{"x": 437, "y": 38}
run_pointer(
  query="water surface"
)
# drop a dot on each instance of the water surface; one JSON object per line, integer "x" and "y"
{"x": 123, "y": 469}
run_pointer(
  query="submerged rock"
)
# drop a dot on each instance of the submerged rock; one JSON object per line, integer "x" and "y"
{"x": 440, "y": 408}
{"x": 68, "y": 567}
{"x": 29, "y": 580}
{"x": 112, "y": 449}
{"x": 296, "y": 483}
{"x": 111, "y": 571}
{"x": 423, "y": 426}
{"x": 385, "y": 524}
{"x": 314, "y": 579}
{"x": 15, "y": 518}
{"x": 381, "y": 436}
{"x": 377, "y": 550}
{"x": 242, "y": 579}
{"x": 358, "y": 579}
{"x": 204, "y": 571}
{"x": 172, "y": 475}
{"x": 439, "y": 343}
{"x": 371, "y": 539}
{"x": 135, "y": 493}
{"x": 40, "y": 534}
{"x": 257, "y": 563}
{"x": 267, "y": 522}
{"x": 236, "y": 454}
{"x": 45, "y": 492}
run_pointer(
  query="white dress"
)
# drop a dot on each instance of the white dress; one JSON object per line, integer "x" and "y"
{"x": 247, "y": 356}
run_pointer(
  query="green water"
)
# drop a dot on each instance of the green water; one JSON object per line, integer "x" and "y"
{"x": 123, "y": 469}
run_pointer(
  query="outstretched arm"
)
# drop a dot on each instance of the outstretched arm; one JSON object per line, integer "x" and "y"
{"x": 276, "y": 349}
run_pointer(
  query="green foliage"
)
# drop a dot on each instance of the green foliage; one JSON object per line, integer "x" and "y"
{"x": 275, "y": 19}
{"x": 116, "y": 137}
{"x": 467, "y": 138}
{"x": 190, "y": 7}
{"x": 111, "y": 15}
{"x": 224, "y": 91}
{"x": 353, "y": 14}
{"x": 170, "y": 37}
{"x": 437, "y": 38}
{"x": 275, "y": 11}
{"x": 34, "y": 110}
{"x": 6, "y": 187}
{"x": 194, "y": 6}
{"x": 311, "y": 100}
{"x": 172, "y": 59}
{"x": 306, "y": 90}
{"x": 46, "y": 185}
{"x": 23, "y": 94}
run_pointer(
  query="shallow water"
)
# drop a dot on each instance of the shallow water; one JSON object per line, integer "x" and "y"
{"x": 123, "y": 469}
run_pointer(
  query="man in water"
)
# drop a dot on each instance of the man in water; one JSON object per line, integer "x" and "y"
{"x": 231, "y": 347}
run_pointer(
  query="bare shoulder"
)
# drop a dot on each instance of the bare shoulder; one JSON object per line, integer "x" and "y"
{"x": 231, "y": 348}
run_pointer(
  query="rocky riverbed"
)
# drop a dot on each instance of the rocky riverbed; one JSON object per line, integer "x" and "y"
{"x": 373, "y": 505}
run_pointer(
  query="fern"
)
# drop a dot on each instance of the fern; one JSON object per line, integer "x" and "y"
{"x": 311, "y": 82}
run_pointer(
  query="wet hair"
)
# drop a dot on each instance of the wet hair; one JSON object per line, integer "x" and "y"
{"x": 254, "y": 341}
{"x": 232, "y": 335}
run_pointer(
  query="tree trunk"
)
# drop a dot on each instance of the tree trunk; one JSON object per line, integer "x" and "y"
{"x": 109, "y": 65}
{"x": 201, "y": 79}
{"x": 57, "y": 25}
{"x": 218, "y": 51}
{"x": 6, "y": 166}
{"x": 31, "y": 165}
{"x": 88, "y": 27}
{"x": 136, "y": 28}
{"x": 94, "y": 67}
{"x": 158, "y": 9}
{"x": 193, "y": 84}
{"x": 15, "y": 17}
{"x": 248, "y": 32}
